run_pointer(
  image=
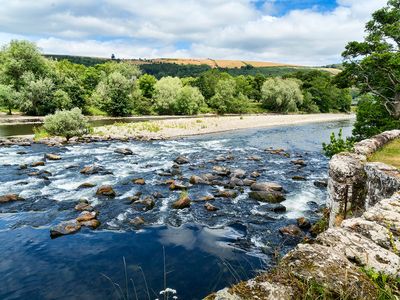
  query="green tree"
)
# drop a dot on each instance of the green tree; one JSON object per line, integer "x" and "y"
{"x": 146, "y": 84}
{"x": 66, "y": 123}
{"x": 7, "y": 97}
{"x": 189, "y": 101}
{"x": 374, "y": 64}
{"x": 208, "y": 81}
{"x": 114, "y": 95}
{"x": 166, "y": 94}
{"x": 282, "y": 95}
{"x": 18, "y": 58}
{"x": 126, "y": 69}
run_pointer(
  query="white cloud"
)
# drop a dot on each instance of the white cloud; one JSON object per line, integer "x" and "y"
{"x": 212, "y": 28}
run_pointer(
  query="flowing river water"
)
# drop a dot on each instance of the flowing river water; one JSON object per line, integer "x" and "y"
{"x": 204, "y": 251}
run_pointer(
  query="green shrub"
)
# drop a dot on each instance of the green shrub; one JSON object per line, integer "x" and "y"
{"x": 166, "y": 93}
{"x": 282, "y": 95}
{"x": 7, "y": 97}
{"x": 189, "y": 101}
{"x": 66, "y": 123}
{"x": 338, "y": 144}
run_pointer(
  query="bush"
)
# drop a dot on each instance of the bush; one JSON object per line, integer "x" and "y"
{"x": 337, "y": 145}
{"x": 66, "y": 123}
{"x": 282, "y": 95}
{"x": 114, "y": 95}
{"x": 7, "y": 97}
{"x": 166, "y": 93}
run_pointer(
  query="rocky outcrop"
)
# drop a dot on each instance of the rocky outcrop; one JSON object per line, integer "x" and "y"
{"x": 355, "y": 184}
{"x": 334, "y": 260}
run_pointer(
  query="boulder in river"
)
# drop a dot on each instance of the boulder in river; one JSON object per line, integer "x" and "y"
{"x": 207, "y": 198}
{"x": 86, "y": 216}
{"x": 267, "y": 196}
{"x": 10, "y": 198}
{"x": 86, "y": 185}
{"x": 52, "y": 156}
{"x": 299, "y": 162}
{"x": 299, "y": 178}
{"x": 266, "y": 186}
{"x": 145, "y": 204}
{"x": 37, "y": 164}
{"x": 83, "y": 206}
{"x": 254, "y": 158}
{"x": 255, "y": 174}
{"x": 210, "y": 207}
{"x": 194, "y": 179}
{"x": 177, "y": 185}
{"x": 303, "y": 223}
{"x": 226, "y": 194}
{"x": 248, "y": 182}
{"x": 221, "y": 171}
{"x": 106, "y": 190}
{"x": 93, "y": 223}
{"x": 139, "y": 181}
{"x": 124, "y": 151}
{"x": 321, "y": 183}
{"x": 90, "y": 170}
{"x": 291, "y": 230}
{"x": 182, "y": 202}
{"x": 238, "y": 173}
{"x": 137, "y": 222}
{"x": 23, "y": 166}
{"x": 181, "y": 160}
{"x": 64, "y": 228}
{"x": 234, "y": 182}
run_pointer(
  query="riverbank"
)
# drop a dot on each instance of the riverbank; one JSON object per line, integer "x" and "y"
{"x": 167, "y": 129}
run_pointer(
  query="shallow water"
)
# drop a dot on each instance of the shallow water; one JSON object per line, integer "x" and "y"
{"x": 205, "y": 251}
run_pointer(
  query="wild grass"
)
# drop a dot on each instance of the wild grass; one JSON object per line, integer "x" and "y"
{"x": 40, "y": 133}
{"x": 388, "y": 286}
{"x": 389, "y": 154}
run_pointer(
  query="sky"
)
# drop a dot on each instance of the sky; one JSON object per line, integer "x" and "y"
{"x": 305, "y": 32}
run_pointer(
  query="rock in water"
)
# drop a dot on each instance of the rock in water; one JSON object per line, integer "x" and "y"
{"x": 106, "y": 190}
{"x": 64, "y": 228}
{"x": 303, "y": 223}
{"x": 238, "y": 173}
{"x": 139, "y": 181}
{"x": 267, "y": 196}
{"x": 207, "y": 198}
{"x": 137, "y": 222}
{"x": 93, "y": 224}
{"x": 124, "y": 151}
{"x": 10, "y": 198}
{"x": 197, "y": 180}
{"x": 299, "y": 178}
{"x": 145, "y": 204}
{"x": 181, "y": 203}
{"x": 90, "y": 170}
{"x": 86, "y": 185}
{"x": 210, "y": 207}
{"x": 254, "y": 158}
{"x": 222, "y": 171}
{"x": 177, "y": 186}
{"x": 86, "y": 216}
{"x": 226, "y": 194}
{"x": 51, "y": 156}
{"x": 299, "y": 162}
{"x": 321, "y": 183}
{"x": 181, "y": 160}
{"x": 37, "y": 164}
{"x": 266, "y": 186}
{"x": 83, "y": 206}
{"x": 291, "y": 230}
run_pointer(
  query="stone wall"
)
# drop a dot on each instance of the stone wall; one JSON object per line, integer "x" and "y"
{"x": 355, "y": 184}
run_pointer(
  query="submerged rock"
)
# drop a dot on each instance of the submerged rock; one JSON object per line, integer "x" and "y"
{"x": 207, "y": 198}
{"x": 321, "y": 183}
{"x": 226, "y": 194}
{"x": 299, "y": 178}
{"x": 64, "y": 228}
{"x": 37, "y": 164}
{"x": 83, "y": 206}
{"x": 23, "y": 166}
{"x": 197, "y": 180}
{"x": 254, "y": 158}
{"x": 267, "y": 196}
{"x": 124, "y": 151}
{"x": 90, "y": 170}
{"x": 181, "y": 203}
{"x": 106, "y": 190}
{"x": 181, "y": 160}
{"x": 299, "y": 162}
{"x": 51, "y": 156}
{"x": 145, "y": 204}
{"x": 210, "y": 207}
{"x": 10, "y": 198}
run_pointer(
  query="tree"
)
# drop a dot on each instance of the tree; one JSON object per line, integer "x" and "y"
{"x": 128, "y": 70}
{"x": 208, "y": 81}
{"x": 7, "y": 97}
{"x": 66, "y": 123}
{"x": 18, "y": 58}
{"x": 282, "y": 95}
{"x": 114, "y": 95}
{"x": 146, "y": 84}
{"x": 189, "y": 101}
{"x": 37, "y": 96}
{"x": 166, "y": 93}
{"x": 374, "y": 64}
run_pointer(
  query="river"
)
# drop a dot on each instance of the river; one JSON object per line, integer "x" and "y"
{"x": 204, "y": 251}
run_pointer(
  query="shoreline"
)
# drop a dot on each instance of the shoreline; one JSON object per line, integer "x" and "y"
{"x": 180, "y": 127}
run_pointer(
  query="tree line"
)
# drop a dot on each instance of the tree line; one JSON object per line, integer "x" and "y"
{"x": 36, "y": 85}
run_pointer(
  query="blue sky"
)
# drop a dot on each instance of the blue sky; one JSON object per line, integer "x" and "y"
{"x": 307, "y": 32}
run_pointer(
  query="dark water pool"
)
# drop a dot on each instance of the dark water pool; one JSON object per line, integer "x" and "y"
{"x": 204, "y": 251}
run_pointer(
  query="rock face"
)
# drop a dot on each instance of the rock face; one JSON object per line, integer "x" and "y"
{"x": 354, "y": 184}
{"x": 10, "y": 198}
{"x": 334, "y": 260}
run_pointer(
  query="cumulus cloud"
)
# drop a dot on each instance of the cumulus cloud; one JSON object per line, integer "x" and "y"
{"x": 220, "y": 29}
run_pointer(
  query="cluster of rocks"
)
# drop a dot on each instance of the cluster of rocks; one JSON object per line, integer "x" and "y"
{"x": 334, "y": 260}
